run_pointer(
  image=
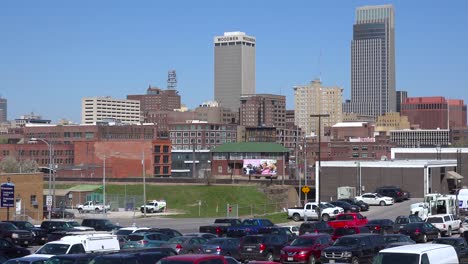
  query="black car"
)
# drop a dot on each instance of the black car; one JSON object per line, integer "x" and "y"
{"x": 100, "y": 224}
{"x": 225, "y": 246}
{"x": 39, "y": 234}
{"x": 315, "y": 227}
{"x": 359, "y": 248}
{"x": 459, "y": 243}
{"x": 10, "y": 250}
{"x": 167, "y": 231}
{"x": 57, "y": 229}
{"x": 280, "y": 231}
{"x": 362, "y": 205}
{"x": 12, "y": 233}
{"x": 420, "y": 232}
{"x": 396, "y": 240}
{"x": 393, "y": 191}
{"x": 381, "y": 226}
{"x": 261, "y": 247}
{"x": 347, "y": 207}
{"x": 402, "y": 220}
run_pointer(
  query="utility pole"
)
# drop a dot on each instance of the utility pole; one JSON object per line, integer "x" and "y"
{"x": 298, "y": 176}
{"x": 144, "y": 182}
{"x": 194, "y": 173}
{"x": 318, "y": 187}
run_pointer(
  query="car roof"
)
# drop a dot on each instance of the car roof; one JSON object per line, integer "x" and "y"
{"x": 415, "y": 248}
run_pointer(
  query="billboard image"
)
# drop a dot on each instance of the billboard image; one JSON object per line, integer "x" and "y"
{"x": 259, "y": 167}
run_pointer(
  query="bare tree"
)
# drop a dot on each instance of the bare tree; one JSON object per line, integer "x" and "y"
{"x": 10, "y": 165}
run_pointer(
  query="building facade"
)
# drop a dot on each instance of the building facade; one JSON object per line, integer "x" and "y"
{"x": 155, "y": 100}
{"x": 3, "y": 109}
{"x": 183, "y": 160}
{"x": 373, "y": 61}
{"x": 400, "y": 98}
{"x": 234, "y": 68}
{"x": 266, "y": 110}
{"x": 391, "y": 121}
{"x": 347, "y": 130}
{"x": 99, "y": 109}
{"x": 201, "y": 135}
{"x": 317, "y": 99}
{"x": 420, "y": 137}
{"x": 212, "y": 112}
{"x": 434, "y": 112}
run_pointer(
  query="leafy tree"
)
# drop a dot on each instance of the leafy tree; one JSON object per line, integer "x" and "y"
{"x": 9, "y": 165}
{"x": 28, "y": 166}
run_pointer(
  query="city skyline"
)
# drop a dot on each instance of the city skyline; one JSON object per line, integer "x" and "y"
{"x": 63, "y": 52}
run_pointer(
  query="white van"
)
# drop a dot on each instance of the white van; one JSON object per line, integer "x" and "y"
{"x": 418, "y": 254}
{"x": 80, "y": 244}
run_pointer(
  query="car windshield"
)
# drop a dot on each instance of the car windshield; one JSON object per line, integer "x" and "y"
{"x": 378, "y": 195}
{"x": 151, "y": 204}
{"x": 391, "y": 258}
{"x": 433, "y": 220}
{"x": 24, "y": 225}
{"x": 402, "y": 220}
{"x": 124, "y": 232}
{"x": 303, "y": 241}
{"x": 346, "y": 242}
{"x": 8, "y": 226}
{"x": 53, "y": 249}
{"x": 393, "y": 239}
{"x": 328, "y": 205}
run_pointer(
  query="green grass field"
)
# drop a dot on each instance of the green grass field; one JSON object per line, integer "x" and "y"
{"x": 202, "y": 200}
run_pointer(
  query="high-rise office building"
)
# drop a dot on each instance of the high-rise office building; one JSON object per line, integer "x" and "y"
{"x": 263, "y": 110}
{"x": 100, "y": 109}
{"x": 317, "y": 99}
{"x": 234, "y": 68}
{"x": 400, "y": 98}
{"x": 3, "y": 109}
{"x": 373, "y": 61}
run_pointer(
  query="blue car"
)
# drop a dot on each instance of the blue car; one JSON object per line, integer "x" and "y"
{"x": 28, "y": 260}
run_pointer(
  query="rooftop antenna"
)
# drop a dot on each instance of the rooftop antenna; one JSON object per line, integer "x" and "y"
{"x": 171, "y": 80}
{"x": 320, "y": 66}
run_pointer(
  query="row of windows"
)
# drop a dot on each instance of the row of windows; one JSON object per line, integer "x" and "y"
{"x": 157, "y": 170}
{"x": 207, "y": 134}
{"x": 165, "y": 159}
{"x": 157, "y": 149}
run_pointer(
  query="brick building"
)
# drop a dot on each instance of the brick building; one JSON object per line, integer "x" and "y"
{"x": 212, "y": 112}
{"x": 420, "y": 137}
{"x": 258, "y": 110}
{"x": 202, "y": 135}
{"x": 391, "y": 121}
{"x": 346, "y": 130}
{"x": 156, "y": 100}
{"x": 434, "y": 112}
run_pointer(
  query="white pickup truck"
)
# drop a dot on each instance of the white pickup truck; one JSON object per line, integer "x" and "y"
{"x": 153, "y": 206}
{"x": 446, "y": 223}
{"x": 310, "y": 210}
{"x": 91, "y": 206}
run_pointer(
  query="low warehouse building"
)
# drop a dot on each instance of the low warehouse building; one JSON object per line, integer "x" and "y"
{"x": 419, "y": 177}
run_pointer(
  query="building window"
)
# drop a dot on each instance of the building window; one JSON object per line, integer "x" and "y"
{"x": 220, "y": 169}
{"x": 157, "y": 170}
{"x": 33, "y": 200}
{"x": 165, "y": 170}
{"x": 165, "y": 159}
{"x": 157, "y": 149}
{"x": 166, "y": 149}
{"x": 157, "y": 159}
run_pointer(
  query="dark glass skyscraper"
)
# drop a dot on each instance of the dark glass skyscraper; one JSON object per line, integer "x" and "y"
{"x": 3, "y": 109}
{"x": 373, "y": 61}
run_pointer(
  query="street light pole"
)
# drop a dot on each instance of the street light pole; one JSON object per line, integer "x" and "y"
{"x": 104, "y": 183}
{"x": 318, "y": 187}
{"x": 49, "y": 145}
{"x": 144, "y": 182}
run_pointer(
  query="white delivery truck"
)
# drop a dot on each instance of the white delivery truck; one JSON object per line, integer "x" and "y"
{"x": 88, "y": 243}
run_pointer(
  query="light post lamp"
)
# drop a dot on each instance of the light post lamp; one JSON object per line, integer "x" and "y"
{"x": 318, "y": 187}
{"x": 104, "y": 183}
{"x": 144, "y": 182}
{"x": 49, "y": 145}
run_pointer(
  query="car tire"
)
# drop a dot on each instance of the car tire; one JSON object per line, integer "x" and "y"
{"x": 325, "y": 217}
{"x": 269, "y": 256}
{"x": 424, "y": 239}
{"x": 354, "y": 260}
{"x": 296, "y": 217}
{"x": 312, "y": 259}
{"x": 96, "y": 210}
{"x": 382, "y": 203}
{"x": 80, "y": 210}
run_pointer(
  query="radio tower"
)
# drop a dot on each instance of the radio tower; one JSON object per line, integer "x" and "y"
{"x": 171, "y": 80}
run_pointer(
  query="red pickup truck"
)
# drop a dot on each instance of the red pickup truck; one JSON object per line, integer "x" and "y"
{"x": 348, "y": 219}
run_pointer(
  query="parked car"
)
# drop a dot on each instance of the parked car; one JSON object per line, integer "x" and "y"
{"x": 261, "y": 247}
{"x": 100, "y": 224}
{"x": 146, "y": 239}
{"x": 402, "y": 220}
{"x": 347, "y": 207}
{"x": 459, "y": 243}
{"x": 39, "y": 234}
{"x": 425, "y": 253}
{"x": 58, "y": 213}
{"x": 92, "y": 206}
{"x": 396, "y": 240}
{"x": 10, "y": 250}
{"x": 167, "y": 231}
{"x": 306, "y": 249}
{"x": 280, "y": 231}
{"x": 349, "y": 230}
{"x": 82, "y": 258}
{"x": 315, "y": 227}
{"x": 208, "y": 236}
{"x": 349, "y": 219}
{"x": 359, "y": 248}
{"x": 185, "y": 244}
{"x": 193, "y": 259}
{"x": 126, "y": 258}
{"x": 220, "y": 226}
{"x": 375, "y": 199}
{"x": 446, "y": 223}
{"x": 248, "y": 227}
{"x": 153, "y": 206}
{"x": 420, "y": 232}
{"x": 310, "y": 210}
{"x": 362, "y": 205}
{"x": 57, "y": 229}
{"x": 122, "y": 233}
{"x": 12, "y": 233}
{"x": 294, "y": 229}
{"x": 395, "y": 192}
{"x": 381, "y": 226}
{"x": 225, "y": 246}
{"x": 28, "y": 260}
{"x": 78, "y": 244}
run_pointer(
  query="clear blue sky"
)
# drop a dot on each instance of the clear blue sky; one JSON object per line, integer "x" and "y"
{"x": 53, "y": 53}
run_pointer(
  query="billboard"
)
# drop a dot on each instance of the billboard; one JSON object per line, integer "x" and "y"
{"x": 259, "y": 167}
